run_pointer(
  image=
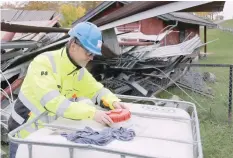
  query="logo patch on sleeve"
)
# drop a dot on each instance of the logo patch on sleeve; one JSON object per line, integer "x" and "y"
{"x": 44, "y": 73}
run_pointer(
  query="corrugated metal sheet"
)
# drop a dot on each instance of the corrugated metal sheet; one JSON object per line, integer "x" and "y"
{"x": 187, "y": 18}
{"x": 139, "y": 35}
{"x": 36, "y": 15}
{"x": 185, "y": 48}
{"x": 25, "y": 15}
{"x": 18, "y": 13}
{"x": 135, "y": 43}
{"x": 8, "y": 15}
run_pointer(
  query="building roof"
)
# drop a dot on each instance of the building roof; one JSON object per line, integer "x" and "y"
{"x": 128, "y": 10}
{"x": 95, "y": 11}
{"x": 137, "y": 7}
{"x": 130, "y": 13}
{"x": 186, "y": 18}
{"x": 26, "y": 15}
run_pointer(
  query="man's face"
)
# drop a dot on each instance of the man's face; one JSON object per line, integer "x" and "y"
{"x": 79, "y": 54}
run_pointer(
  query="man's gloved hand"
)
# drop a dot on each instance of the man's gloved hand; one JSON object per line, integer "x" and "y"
{"x": 119, "y": 105}
{"x": 102, "y": 117}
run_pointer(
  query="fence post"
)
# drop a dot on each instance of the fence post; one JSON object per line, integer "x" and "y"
{"x": 230, "y": 97}
{"x": 205, "y": 40}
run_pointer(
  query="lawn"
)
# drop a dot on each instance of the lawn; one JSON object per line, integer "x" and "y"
{"x": 217, "y": 136}
{"x": 227, "y": 23}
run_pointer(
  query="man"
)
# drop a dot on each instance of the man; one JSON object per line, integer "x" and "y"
{"x": 58, "y": 82}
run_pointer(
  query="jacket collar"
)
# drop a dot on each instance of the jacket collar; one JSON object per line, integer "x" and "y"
{"x": 68, "y": 64}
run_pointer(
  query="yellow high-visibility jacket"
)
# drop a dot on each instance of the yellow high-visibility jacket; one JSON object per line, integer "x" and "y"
{"x": 52, "y": 80}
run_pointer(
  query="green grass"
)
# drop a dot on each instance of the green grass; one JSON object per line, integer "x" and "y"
{"x": 227, "y": 23}
{"x": 222, "y": 49}
{"x": 217, "y": 140}
{"x": 216, "y": 135}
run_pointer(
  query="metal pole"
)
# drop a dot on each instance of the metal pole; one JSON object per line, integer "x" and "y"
{"x": 30, "y": 150}
{"x": 230, "y": 97}
{"x": 71, "y": 150}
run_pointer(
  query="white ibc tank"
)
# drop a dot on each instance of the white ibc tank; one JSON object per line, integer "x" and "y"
{"x": 162, "y": 132}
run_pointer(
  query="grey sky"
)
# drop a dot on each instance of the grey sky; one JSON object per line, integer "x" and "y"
{"x": 227, "y": 10}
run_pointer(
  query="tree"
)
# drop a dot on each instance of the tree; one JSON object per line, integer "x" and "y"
{"x": 42, "y": 5}
{"x": 71, "y": 13}
{"x": 32, "y": 5}
{"x": 9, "y": 5}
{"x": 203, "y": 14}
{"x": 219, "y": 17}
{"x": 208, "y": 15}
{"x": 88, "y": 5}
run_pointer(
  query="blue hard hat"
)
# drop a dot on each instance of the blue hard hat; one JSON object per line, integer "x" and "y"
{"x": 89, "y": 36}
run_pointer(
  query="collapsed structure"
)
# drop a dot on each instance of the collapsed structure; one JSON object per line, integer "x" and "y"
{"x": 149, "y": 50}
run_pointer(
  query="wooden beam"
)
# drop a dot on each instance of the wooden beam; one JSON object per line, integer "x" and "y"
{"x": 205, "y": 40}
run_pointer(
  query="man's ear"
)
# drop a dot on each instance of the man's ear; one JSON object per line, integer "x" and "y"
{"x": 72, "y": 46}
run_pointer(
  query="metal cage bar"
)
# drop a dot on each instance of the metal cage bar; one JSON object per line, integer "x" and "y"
{"x": 197, "y": 147}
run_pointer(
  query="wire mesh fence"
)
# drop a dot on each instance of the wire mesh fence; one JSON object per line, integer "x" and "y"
{"x": 209, "y": 86}
{"x": 230, "y": 30}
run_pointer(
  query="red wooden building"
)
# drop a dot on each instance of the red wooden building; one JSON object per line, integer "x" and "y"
{"x": 183, "y": 23}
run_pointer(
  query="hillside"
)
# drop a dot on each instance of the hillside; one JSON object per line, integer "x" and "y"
{"x": 227, "y": 23}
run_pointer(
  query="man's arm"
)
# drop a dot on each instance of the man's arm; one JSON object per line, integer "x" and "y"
{"x": 98, "y": 93}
